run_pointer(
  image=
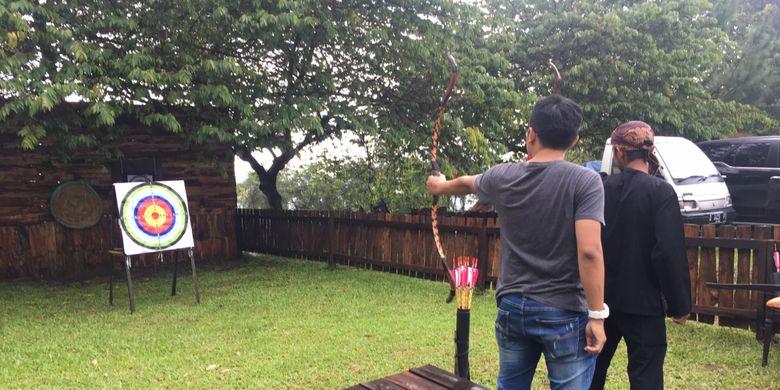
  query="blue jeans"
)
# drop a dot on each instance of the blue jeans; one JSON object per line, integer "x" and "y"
{"x": 525, "y": 329}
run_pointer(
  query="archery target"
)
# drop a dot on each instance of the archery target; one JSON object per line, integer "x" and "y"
{"x": 153, "y": 216}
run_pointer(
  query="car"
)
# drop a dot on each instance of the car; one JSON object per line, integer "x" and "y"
{"x": 701, "y": 191}
{"x": 751, "y": 168}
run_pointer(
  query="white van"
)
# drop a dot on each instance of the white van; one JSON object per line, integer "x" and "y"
{"x": 701, "y": 191}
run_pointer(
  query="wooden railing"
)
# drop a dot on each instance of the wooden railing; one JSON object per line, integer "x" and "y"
{"x": 404, "y": 244}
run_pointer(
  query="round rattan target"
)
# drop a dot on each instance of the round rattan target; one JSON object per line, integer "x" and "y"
{"x": 76, "y": 205}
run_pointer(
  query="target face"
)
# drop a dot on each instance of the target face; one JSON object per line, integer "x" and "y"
{"x": 154, "y": 216}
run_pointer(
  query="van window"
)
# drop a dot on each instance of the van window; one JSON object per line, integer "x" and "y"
{"x": 686, "y": 163}
{"x": 752, "y": 155}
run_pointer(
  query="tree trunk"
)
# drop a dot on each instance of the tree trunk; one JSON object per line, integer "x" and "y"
{"x": 268, "y": 176}
{"x": 268, "y": 187}
{"x": 380, "y": 207}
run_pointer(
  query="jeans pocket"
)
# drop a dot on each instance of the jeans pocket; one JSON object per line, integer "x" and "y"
{"x": 502, "y": 327}
{"x": 561, "y": 336}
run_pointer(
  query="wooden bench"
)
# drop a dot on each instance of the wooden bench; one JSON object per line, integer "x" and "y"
{"x": 425, "y": 377}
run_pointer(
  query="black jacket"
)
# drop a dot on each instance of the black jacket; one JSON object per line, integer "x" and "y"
{"x": 644, "y": 247}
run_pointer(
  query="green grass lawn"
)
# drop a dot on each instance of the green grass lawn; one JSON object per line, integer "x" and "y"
{"x": 275, "y": 323}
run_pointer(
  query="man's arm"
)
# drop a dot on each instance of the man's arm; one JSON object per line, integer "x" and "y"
{"x": 591, "y": 264}
{"x": 464, "y": 185}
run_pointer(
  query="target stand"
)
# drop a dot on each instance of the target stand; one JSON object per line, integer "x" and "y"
{"x": 153, "y": 218}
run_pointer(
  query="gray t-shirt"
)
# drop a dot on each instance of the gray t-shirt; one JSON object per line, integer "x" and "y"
{"x": 537, "y": 204}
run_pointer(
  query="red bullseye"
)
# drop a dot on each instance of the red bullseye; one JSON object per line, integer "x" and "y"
{"x": 155, "y": 216}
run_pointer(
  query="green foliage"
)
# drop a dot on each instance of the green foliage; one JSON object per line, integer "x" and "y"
{"x": 328, "y": 185}
{"x": 274, "y": 75}
{"x": 750, "y": 72}
{"x": 255, "y": 74}
{"x": 350, "y": 183}
{"x": 624, "y": 60}
{"x": 485, "y": 113}
{"x": 284, "y": 75}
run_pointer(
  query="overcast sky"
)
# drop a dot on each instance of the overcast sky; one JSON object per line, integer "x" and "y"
{"x": 333, "y": 147}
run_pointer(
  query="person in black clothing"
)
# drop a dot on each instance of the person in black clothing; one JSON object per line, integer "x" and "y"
{"x": 646, "y": 269}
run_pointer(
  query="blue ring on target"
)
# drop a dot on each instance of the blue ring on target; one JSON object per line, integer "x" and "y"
{"x": 138, "y": 221}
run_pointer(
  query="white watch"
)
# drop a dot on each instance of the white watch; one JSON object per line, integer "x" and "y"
{"x": 599, "y": 315}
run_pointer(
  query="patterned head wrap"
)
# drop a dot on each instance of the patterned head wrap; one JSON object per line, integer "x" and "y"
{"x": 635, "y": 136}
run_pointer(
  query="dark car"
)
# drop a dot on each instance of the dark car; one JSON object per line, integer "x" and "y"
{"x": 751, "y": 168}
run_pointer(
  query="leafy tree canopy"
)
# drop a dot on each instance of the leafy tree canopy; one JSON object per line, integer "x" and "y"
{"x": 625, "y": 60}
{"x": 282, "y": 75}
{"x": 750, "y": 71}
{"x": 279, "y": 75}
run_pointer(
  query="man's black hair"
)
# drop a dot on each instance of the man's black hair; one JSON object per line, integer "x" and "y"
{"x": 632, "y": 155}
{"x": 557, "y": 121}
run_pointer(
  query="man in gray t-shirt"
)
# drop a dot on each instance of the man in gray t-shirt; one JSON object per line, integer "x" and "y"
{"x": 550, "y": 289}
{"x": 538, "y": 203}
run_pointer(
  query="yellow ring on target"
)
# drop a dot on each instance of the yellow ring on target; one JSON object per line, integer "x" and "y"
{"x": 149, "y": 216}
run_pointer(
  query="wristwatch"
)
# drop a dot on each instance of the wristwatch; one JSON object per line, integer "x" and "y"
{"x": 599, "y": 315}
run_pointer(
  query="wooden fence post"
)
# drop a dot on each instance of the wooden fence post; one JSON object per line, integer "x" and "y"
{"x": 726, "y": 262}
{"x": 742, "y": 298}
{"x": 482, "y": 255}
{"x": 289, "y": 236}
{"x": 331, "y": 239}
{"x": 726, "y": 274}
{"x": 692, "y": 231}
{"x": 760, "y": 266}
{"x": 707, "y": 296}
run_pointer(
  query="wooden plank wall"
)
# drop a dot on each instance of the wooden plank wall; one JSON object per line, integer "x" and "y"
{"x": 33, "y": 245}
{"x": 404, "y": 244}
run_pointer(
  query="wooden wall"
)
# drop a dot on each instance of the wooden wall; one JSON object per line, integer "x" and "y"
{"x": 33, "y": 245}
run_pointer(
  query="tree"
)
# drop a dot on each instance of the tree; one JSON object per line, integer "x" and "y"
{"x": 248, "y": 193}
{"x": 284, "y": 75}
{"x": 279, "y": 75}
{"x": 624, "y": 60}
{"x": 340, "y": 73}
{"x": 482, "y": 122}
{"x": 348, "y": 184}
{"x": 750, "y": 72}
{"x": 133, "y": 60}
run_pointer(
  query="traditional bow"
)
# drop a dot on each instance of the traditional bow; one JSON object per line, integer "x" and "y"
{"x": 557, "y": 86}
{"x": 556, "y": 90}
{"x": 435, "y": 171}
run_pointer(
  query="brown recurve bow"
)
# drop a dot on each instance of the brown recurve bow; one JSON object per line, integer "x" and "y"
{"x": 435, "y": 171}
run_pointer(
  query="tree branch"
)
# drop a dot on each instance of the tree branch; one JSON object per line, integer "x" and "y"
{"x": 248, "y": 157}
